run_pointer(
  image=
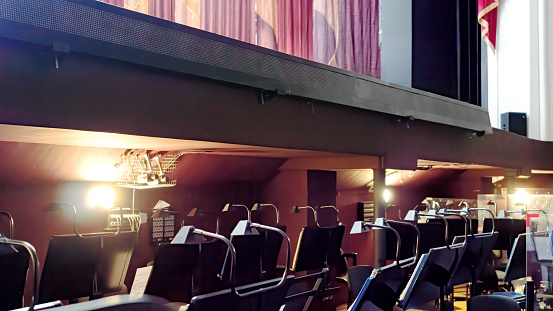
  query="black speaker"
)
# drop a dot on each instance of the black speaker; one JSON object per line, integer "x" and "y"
{"x": 514, "y": 122}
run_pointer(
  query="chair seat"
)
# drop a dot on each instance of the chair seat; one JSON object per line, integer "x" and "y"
{"x": 512, "y": 295}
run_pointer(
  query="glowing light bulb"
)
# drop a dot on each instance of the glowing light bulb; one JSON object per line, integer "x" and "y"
{"x": 387, "y": 195}
{"x": 521, "y": 196}
{"x": 103, "y": 196}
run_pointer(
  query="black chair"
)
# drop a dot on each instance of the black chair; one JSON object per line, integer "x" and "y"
{"x": 272, "y": 242}
{"x": 431, "y": 276}
{"x": 381, "y": 290}
{"x": 14, "y": 263}
{"x": 508, "y": 230}
{"x": 432, "y": 236}
{"x": 78, "y": 267}
{"x": 477, "y": 253}
{"x": 356, "y": 278}
{"x": 492, "y": 303}
{"x": 182, "y": 271}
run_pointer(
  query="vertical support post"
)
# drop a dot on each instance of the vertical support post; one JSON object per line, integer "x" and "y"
{"x": 379, "y": 236}
{"x": 510, "y": 183}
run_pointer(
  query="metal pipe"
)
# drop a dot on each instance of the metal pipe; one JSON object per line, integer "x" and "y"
{"x": 286, "y": 270}
{"x": 392, "y": 205}
{"x": 231, "y": 250}
{"x": 487, "y": 210}
{"x": 398, "y": 245}
{"x": 93, "y": 235}
{"x": 268, "y": 204}
{"x": 418, "y": 236}
{"x": 464, "y": 218}
{"x": 10, "y": 219}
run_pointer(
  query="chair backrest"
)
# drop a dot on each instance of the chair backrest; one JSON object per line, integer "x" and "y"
{"x": 516, "y": 266}
{"x": 113, "y": 262}
{"x": 508, "y": 230}
{"x": 248, "y": 259}
{"x": 477, "y": 252}
{"x": 182, "y": 271}
{"x": 492, "y": 303}
{"x": 69, "y": 267}
{"x": 75, "y": 267}
{"x": 270, "y": 250}
{"x": 408, "y": 236}
{"x": 318, "y": 248}
{"x": 381, "y": 289}
{"x": 432, "y": 274}
{"x": 357, "y": 276}
{"x": 432, "y": 236}
{"x": 14, "y": 263}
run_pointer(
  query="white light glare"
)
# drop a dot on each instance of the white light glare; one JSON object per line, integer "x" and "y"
{"x": 521, "y": 196}
{"x": 387, "y": 195}
{"x": 103, "y": 196}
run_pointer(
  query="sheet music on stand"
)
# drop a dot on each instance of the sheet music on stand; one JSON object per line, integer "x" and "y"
{"x": 542, "y": 246}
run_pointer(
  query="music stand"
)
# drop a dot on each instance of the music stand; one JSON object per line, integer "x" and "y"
{"x": 78, "y": 267}
{"x": 431, "y": 276}
{"x": 432, "y": 236}
{"x": 381, "y": 289}
{"x": 318, "y": 248}
{"x": 182, "y": 271}
{"x": 113, "y": 262}
{"x": 408, "y": 236}
{"x": 476, "y": 255}
{"x": 508, "y": 229}
{"x": 14, "y": 264}
{"x": 69, "y": 268}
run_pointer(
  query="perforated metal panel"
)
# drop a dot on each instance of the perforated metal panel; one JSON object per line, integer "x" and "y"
{"x": 225, "y": 59}
{"x": 85, "y": 21}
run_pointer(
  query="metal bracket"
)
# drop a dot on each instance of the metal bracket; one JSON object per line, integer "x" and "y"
{"x": 265, "y": 96}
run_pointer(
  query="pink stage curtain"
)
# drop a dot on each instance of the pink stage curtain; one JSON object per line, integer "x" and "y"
{"x": 325, "y": 31}
{"x": 234, "y": 19}
{"x": 140, "y": 6}
{"x": 267, "y": 24}
{"x": 341, "y": 33}
{"x": 358, "y": 48}
{"x": 295, "y": 27}
{"x": 120, "y": 3}
{"x": 187, "y": 12}
{"x": 162, "y": 8}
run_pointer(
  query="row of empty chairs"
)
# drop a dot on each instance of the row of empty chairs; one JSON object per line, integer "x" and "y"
{"x": 198, "y": 274}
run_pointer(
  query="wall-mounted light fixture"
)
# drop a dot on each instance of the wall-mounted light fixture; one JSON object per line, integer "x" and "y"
{"x": 62, "y": 206}
{"x": 379, "y": 223}
{"x": 257, "y": 206}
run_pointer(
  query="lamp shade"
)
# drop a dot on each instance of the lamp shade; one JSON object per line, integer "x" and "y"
{"x": 412, "y": 215}
{"x": 501, "y": 214}
{"x": 359, "y": 227}
{"x": 380, "y": 221}
{"x": 432, "y": 212}
{"x": 244, "y": 227}
{"x": 186, "y": 235}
